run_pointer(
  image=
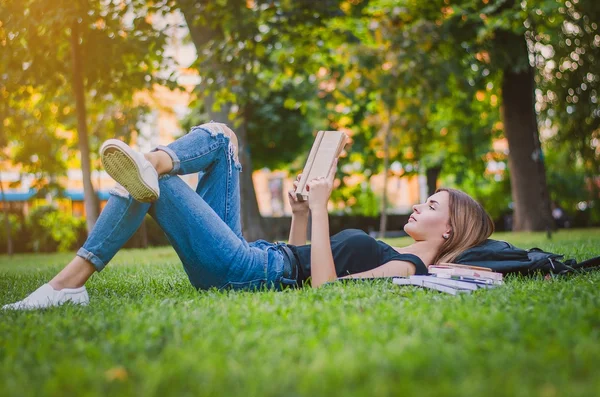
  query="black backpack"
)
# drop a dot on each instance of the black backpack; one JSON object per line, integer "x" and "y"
{"x": 505, "y": 258}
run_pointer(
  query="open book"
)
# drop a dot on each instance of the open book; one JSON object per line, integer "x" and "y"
{"x": 328, "y": 145}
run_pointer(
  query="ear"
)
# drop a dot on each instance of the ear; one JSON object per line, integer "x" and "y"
{"x": 447, "y": 233}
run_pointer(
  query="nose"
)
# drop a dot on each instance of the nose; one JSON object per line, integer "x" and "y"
{"x": 416, "y": 208}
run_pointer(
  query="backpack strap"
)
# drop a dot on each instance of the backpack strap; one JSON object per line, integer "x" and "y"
{"x": 588, "y": 264}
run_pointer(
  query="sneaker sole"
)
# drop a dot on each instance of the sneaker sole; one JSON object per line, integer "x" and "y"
{"x": 123, "y": 169}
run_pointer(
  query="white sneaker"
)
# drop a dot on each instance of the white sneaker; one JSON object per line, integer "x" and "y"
{"x": 46, "y": 296}
{"x": 130, "y": 169}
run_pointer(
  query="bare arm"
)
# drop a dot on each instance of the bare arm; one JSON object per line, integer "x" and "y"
{"x": 390, "y": 269}
{"x": 298, "y": 229}
{"x": 300, "y": 213}
{"x": 322, "y": 268}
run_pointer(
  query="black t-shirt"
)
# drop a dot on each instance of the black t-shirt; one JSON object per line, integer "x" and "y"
{"x": 354, "y": 251}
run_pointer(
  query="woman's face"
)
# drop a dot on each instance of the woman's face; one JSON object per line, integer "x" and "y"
{"x": 430, "y": 220}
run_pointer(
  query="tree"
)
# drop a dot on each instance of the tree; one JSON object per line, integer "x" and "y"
{"x": 490, "y": 39}
{"x": 395, "y": 70}
{"x": 250, "y": 54}
{"x": 9, "y": 242}
{"x": 87, "y": 46}
{"x": 28, "y": 138}
{"x": 566, "y": 45}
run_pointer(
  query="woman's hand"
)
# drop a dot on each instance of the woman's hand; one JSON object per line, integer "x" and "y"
{"x": 319, "y": 189}
{"x": 298, "y": 207}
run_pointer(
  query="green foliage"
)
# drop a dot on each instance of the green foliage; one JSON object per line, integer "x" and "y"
{"x": 441, "y": 109}
{"x": 113, "y": 49}
{"x": 121, "y": 53}
{"x": 14, "y": 223}
{"x": 279, "y": 133}
{"x": 148, "y": 332}
{"x": 567, "y": 55}
{"x": 41, "y": 240}
{"x": 278, "y": 130}
{"x": 492, "y": 192}
{"x": 432, "y": 71}
{"x": 360, "y": 199}
{"x": 567, "y": 181}
{"x": 16, "y": 231}
{"x": 51, "y": 230}
{"x": 47, "y": 229}
{"x": 259, "y": 66}
{"x": 63, "y": 229}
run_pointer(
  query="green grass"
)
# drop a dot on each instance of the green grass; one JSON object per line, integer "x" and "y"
{"x": 148, "y": 332}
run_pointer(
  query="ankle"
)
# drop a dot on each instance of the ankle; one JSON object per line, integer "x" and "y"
{"x": 162, "y": 162}
{"x": 153, "y": 159}
{"x": 74, "y": 275}
{"x": 58, "y": 284}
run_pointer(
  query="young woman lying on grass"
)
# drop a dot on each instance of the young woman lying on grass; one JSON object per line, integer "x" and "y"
{"x": 205, "y": 230}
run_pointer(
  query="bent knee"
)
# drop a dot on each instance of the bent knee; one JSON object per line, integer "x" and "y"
{"x": 220, "y": 128}
{"x": 233, "y": 139}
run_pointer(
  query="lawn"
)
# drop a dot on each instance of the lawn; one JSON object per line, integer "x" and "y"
{"x": 147, "y": 332}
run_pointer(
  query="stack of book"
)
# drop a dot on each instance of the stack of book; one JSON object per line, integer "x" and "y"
{"x": 454, "y": 279}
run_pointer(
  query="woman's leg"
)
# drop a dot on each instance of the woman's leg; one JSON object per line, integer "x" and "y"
{"x": 207, "y": 238}
{"x": 206, "y": 231}
{"x": 208, "y": 242}
{"x": 118, "y": 221}
{"x": 120, "y": 218}
{"x": 211, "y": 151}
{"x": 211, "y": 253}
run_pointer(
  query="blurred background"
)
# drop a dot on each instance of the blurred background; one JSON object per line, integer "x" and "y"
{"x": 497, "y": 98}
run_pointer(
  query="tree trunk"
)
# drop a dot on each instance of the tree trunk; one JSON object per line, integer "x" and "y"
{"x": 144, "y": 232}
{"x": 525, "y": 162}
{"x": 89, "y": 195}
{"x": 252, "y": 221}
{"x": 432, "y": 174}
{"x": 386, "y": 167}
{"x": 9, "y": 242}
{"x": 252, "y": 225}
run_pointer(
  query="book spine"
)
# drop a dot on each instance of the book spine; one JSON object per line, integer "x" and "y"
{"x": 465, "y": 272}
{"x": 430, "y": 285}
{"x": 342, "y": 145}
{"x": 486, "y": 281}
{"x": 446, "y": 281}
{"x": 443, "y": 288}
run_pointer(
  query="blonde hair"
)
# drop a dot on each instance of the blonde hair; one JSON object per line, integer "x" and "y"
{"x": 470, "y": 223}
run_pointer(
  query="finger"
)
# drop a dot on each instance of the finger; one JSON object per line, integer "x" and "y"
{"x": 313, "y": 183}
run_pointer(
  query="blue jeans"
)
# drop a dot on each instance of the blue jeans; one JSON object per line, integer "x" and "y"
{"x": 203, "y": 226}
